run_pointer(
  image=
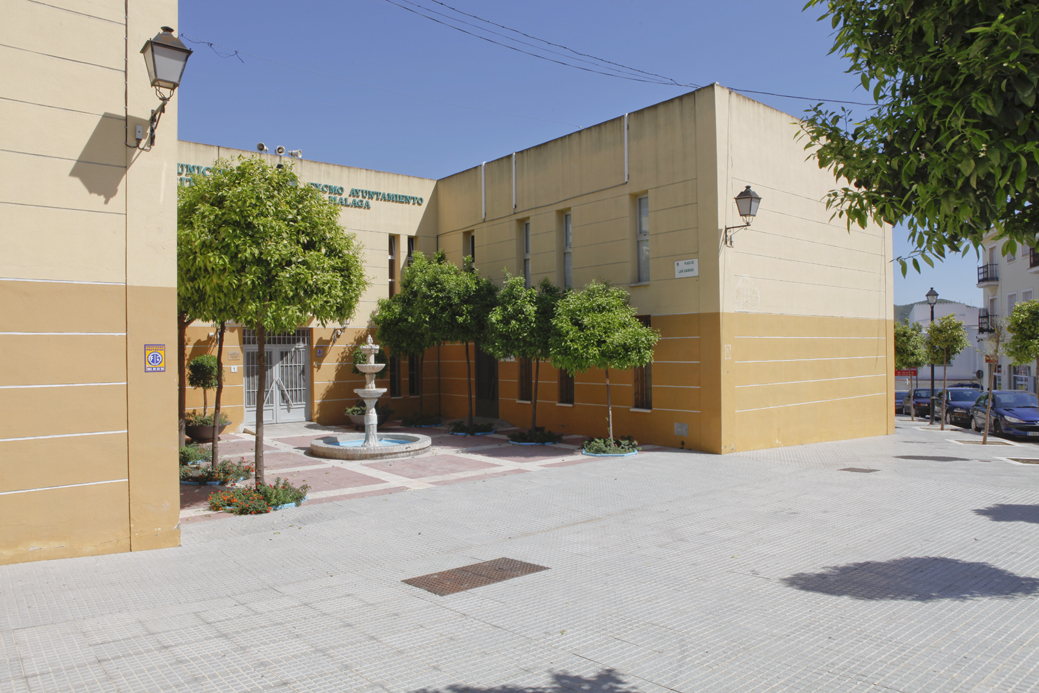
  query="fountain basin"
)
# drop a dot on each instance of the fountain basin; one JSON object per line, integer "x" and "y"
{"x": 391, "y": 446}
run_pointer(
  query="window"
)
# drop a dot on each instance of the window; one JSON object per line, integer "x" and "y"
{"x": 526, "y": 380}
{"x": 411, "y": 251}
{"x": 1011, "y": 301}
{"x": 469, "y": 245}
{"x": 393, "y": 265}
{"x": 1022, "y": 377}
{"x": 414, "y": 376}
{"x": 1026, "y": 295}
{"x": 642, "y": 237}
{"x": 643, "y": 377}
{"x": 568, "y": 264}
{"x": 526, "y": 254}
{"x": 394, "y": 376}
{"x": 566, "y": 387}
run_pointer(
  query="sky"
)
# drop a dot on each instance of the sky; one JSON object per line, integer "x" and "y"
{"x": 373, "y": 84}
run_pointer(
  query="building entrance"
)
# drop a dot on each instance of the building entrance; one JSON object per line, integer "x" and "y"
{"x": 288, "y": 376}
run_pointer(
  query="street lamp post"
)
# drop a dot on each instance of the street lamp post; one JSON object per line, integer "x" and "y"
{"x": 932, "y": 298}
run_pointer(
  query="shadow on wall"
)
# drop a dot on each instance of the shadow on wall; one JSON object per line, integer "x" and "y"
{"x": 920, "y": 579}
{"x": 606, "y": 681}
{"x": 101, "y": 165}
{"x": 1011, "y": 513}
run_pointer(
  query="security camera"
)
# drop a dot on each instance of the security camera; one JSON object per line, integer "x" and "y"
{"x": 279, "y": 150}
{"x": 261, "y": 147}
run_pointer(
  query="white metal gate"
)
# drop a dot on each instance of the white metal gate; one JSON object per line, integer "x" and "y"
{"x": 288, "y": 376}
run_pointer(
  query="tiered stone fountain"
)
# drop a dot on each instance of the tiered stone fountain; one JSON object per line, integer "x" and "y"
{"x": 355, "y": 446}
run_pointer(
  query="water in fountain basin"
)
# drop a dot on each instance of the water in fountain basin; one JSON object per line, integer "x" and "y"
{"x": 382, "y": 442}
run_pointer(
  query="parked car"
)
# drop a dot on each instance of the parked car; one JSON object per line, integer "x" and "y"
{"x": 958, "y": 401}
{"x": 899, "y": 396}
{"x": 919, "y": 399}
{"x": 1014, "y": 413}
{"x": 971, "y": 385}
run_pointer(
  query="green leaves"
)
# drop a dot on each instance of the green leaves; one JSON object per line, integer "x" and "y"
{"x": 1023, "y": 324}
{"x": 944, "y": 339}
{"x": 910, "y": 351}
{"x": 256, "y": 246}
{"x": 952, "y": 149}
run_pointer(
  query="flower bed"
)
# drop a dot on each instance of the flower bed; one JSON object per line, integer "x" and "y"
{"x": 604, "y": 447}
{"x": 459, "y": 428}
{"x": 225, "y": 472}
{"x": 540, "y": 437}
{"x": 257, "y": 501}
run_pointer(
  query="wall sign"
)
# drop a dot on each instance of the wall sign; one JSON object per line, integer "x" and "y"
{"x": 687, "y": 268}
{"x": 154, "y": 358}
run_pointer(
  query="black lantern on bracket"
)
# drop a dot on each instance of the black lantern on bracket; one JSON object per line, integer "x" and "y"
{"x": 747, "y": 204}
{"x": 165, "y": 57}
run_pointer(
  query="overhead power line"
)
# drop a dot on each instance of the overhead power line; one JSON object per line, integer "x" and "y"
{"x": 608, "y": 68}
{"x": 235, "y": 53}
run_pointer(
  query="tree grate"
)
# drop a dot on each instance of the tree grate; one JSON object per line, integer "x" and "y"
{"x": 1025, "y": 460}
{"x": 860, "y": 470}
{"x": 978, "y": 442}
{"x": 470, "y": 576}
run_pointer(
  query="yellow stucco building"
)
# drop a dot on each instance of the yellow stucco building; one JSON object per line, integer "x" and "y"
{"x": 783, "y": 338}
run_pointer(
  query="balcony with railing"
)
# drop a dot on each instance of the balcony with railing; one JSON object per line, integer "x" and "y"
{"x": 1033, "y": 258}
{"x": 986, "y": 321}
{"x": 988, "y": 274}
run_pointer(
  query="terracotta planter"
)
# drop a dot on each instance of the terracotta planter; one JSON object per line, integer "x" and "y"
{"x": 204, "y": 434}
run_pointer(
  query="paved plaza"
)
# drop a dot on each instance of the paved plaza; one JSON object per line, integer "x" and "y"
{"x": 780, "y": 570}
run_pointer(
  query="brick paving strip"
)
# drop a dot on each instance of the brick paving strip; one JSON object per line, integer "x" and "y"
{"x": 452, "y": 459}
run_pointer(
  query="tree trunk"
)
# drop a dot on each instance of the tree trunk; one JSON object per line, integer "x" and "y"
{"x": 988, "y": 401}
{"x": 205, "y": 402}
{"x": 261, "y": 391}
{"x": 534, "y": 404}
{"x": 469, "y": 386}
{"x": 182, "y": 371}
{"x": 912, "y": 397}
{"x": 219, "y": 392}
{"x": 609, "y": 408}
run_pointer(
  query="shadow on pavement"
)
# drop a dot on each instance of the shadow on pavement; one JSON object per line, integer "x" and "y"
{"x": 606, "y": 681}
{"x": 921, "y": 579}
{"x": 1011, "y": 513}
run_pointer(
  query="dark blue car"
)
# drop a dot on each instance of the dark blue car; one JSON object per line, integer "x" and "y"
{"x": 919, "y": 400}
{"x": 1014, "y": 413}
{"x": 958, "y": 403}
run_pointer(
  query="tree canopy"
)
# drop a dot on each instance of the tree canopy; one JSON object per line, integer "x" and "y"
{"x": 1023, "y": 325}
{"x": 596, "y": 328}
{"x": 909, "y": 345}
{"x": 951, "y": 149}
{"x": 268, "y": 252}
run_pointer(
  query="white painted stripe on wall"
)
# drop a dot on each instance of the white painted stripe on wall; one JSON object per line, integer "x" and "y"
{"x": 688, "y": 387}
{"x": 684, "y": 411}
{"x": 818, "y": 380}
{"x": 59, "y": 281}
{"x": 63, "y": 435}
{"x": 675, "y": 362}
{"x": 757, "y": 336}
{"x": 65, "y": 334}
{"x": 821, "y": 401}
{"x": 825, "y": 358}
{"x": 21, "y": 387}
{"x": 692, "y": 337}
{"x": 51, "y": 488}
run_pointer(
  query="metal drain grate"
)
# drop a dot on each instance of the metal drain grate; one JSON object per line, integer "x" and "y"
{"x": 1025, "y": 460}
{"x": 978, "y": 442}
{"x": 476, "y": 575}
{"x": 860, "y": 470}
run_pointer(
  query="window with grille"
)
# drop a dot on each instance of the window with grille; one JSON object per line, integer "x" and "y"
{"x": 566, "y": 387}
{"x": 394, "y": 376}
{"x": 414, "y": 377}
{"x": 526, "y": 380}
{"x": 642, "y": 237}
{"x": 643, "y": 377}
{"x": 526, "y": 254}
{"x": 568, "y": 263}
{"x": 393, "y": 265}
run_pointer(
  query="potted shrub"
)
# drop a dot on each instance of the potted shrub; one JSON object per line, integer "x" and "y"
{"x": 356, "y": 413}
{"x": 199, "y": 427}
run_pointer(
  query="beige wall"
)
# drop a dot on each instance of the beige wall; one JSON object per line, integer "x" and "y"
{"x": 87, "y": 277}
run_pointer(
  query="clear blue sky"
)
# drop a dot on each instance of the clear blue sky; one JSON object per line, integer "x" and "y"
{"x": 370, "y": 84}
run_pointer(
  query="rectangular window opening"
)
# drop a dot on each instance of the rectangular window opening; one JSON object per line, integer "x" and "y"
{"x": 526, "y": 254}
{"x": 643, "y": 377}
{"x": 568, "y": 264}
{"x": 642, "y": 237}
{"x": 394, "y": 376}
{"x": 566, "y": 387}
{"x": 414, "y": 377}
{"x": 393, "y": 265}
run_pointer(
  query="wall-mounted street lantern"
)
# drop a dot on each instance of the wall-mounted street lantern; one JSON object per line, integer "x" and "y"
{"x": 747, "y": 203}
{"x": 165, "y": 56}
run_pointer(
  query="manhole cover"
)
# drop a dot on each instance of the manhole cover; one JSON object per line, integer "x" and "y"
{"x": 860, "y": 470}
{"x": 1025, "y": 460}
{"x": 476, "y": 575}
{"x": 978, "y": 442}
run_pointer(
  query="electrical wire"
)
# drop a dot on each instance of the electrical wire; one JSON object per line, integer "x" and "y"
{"x": 238, "y": 54}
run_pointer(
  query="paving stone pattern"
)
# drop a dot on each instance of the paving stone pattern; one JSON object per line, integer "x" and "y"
{"x": 761, "y": 571}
